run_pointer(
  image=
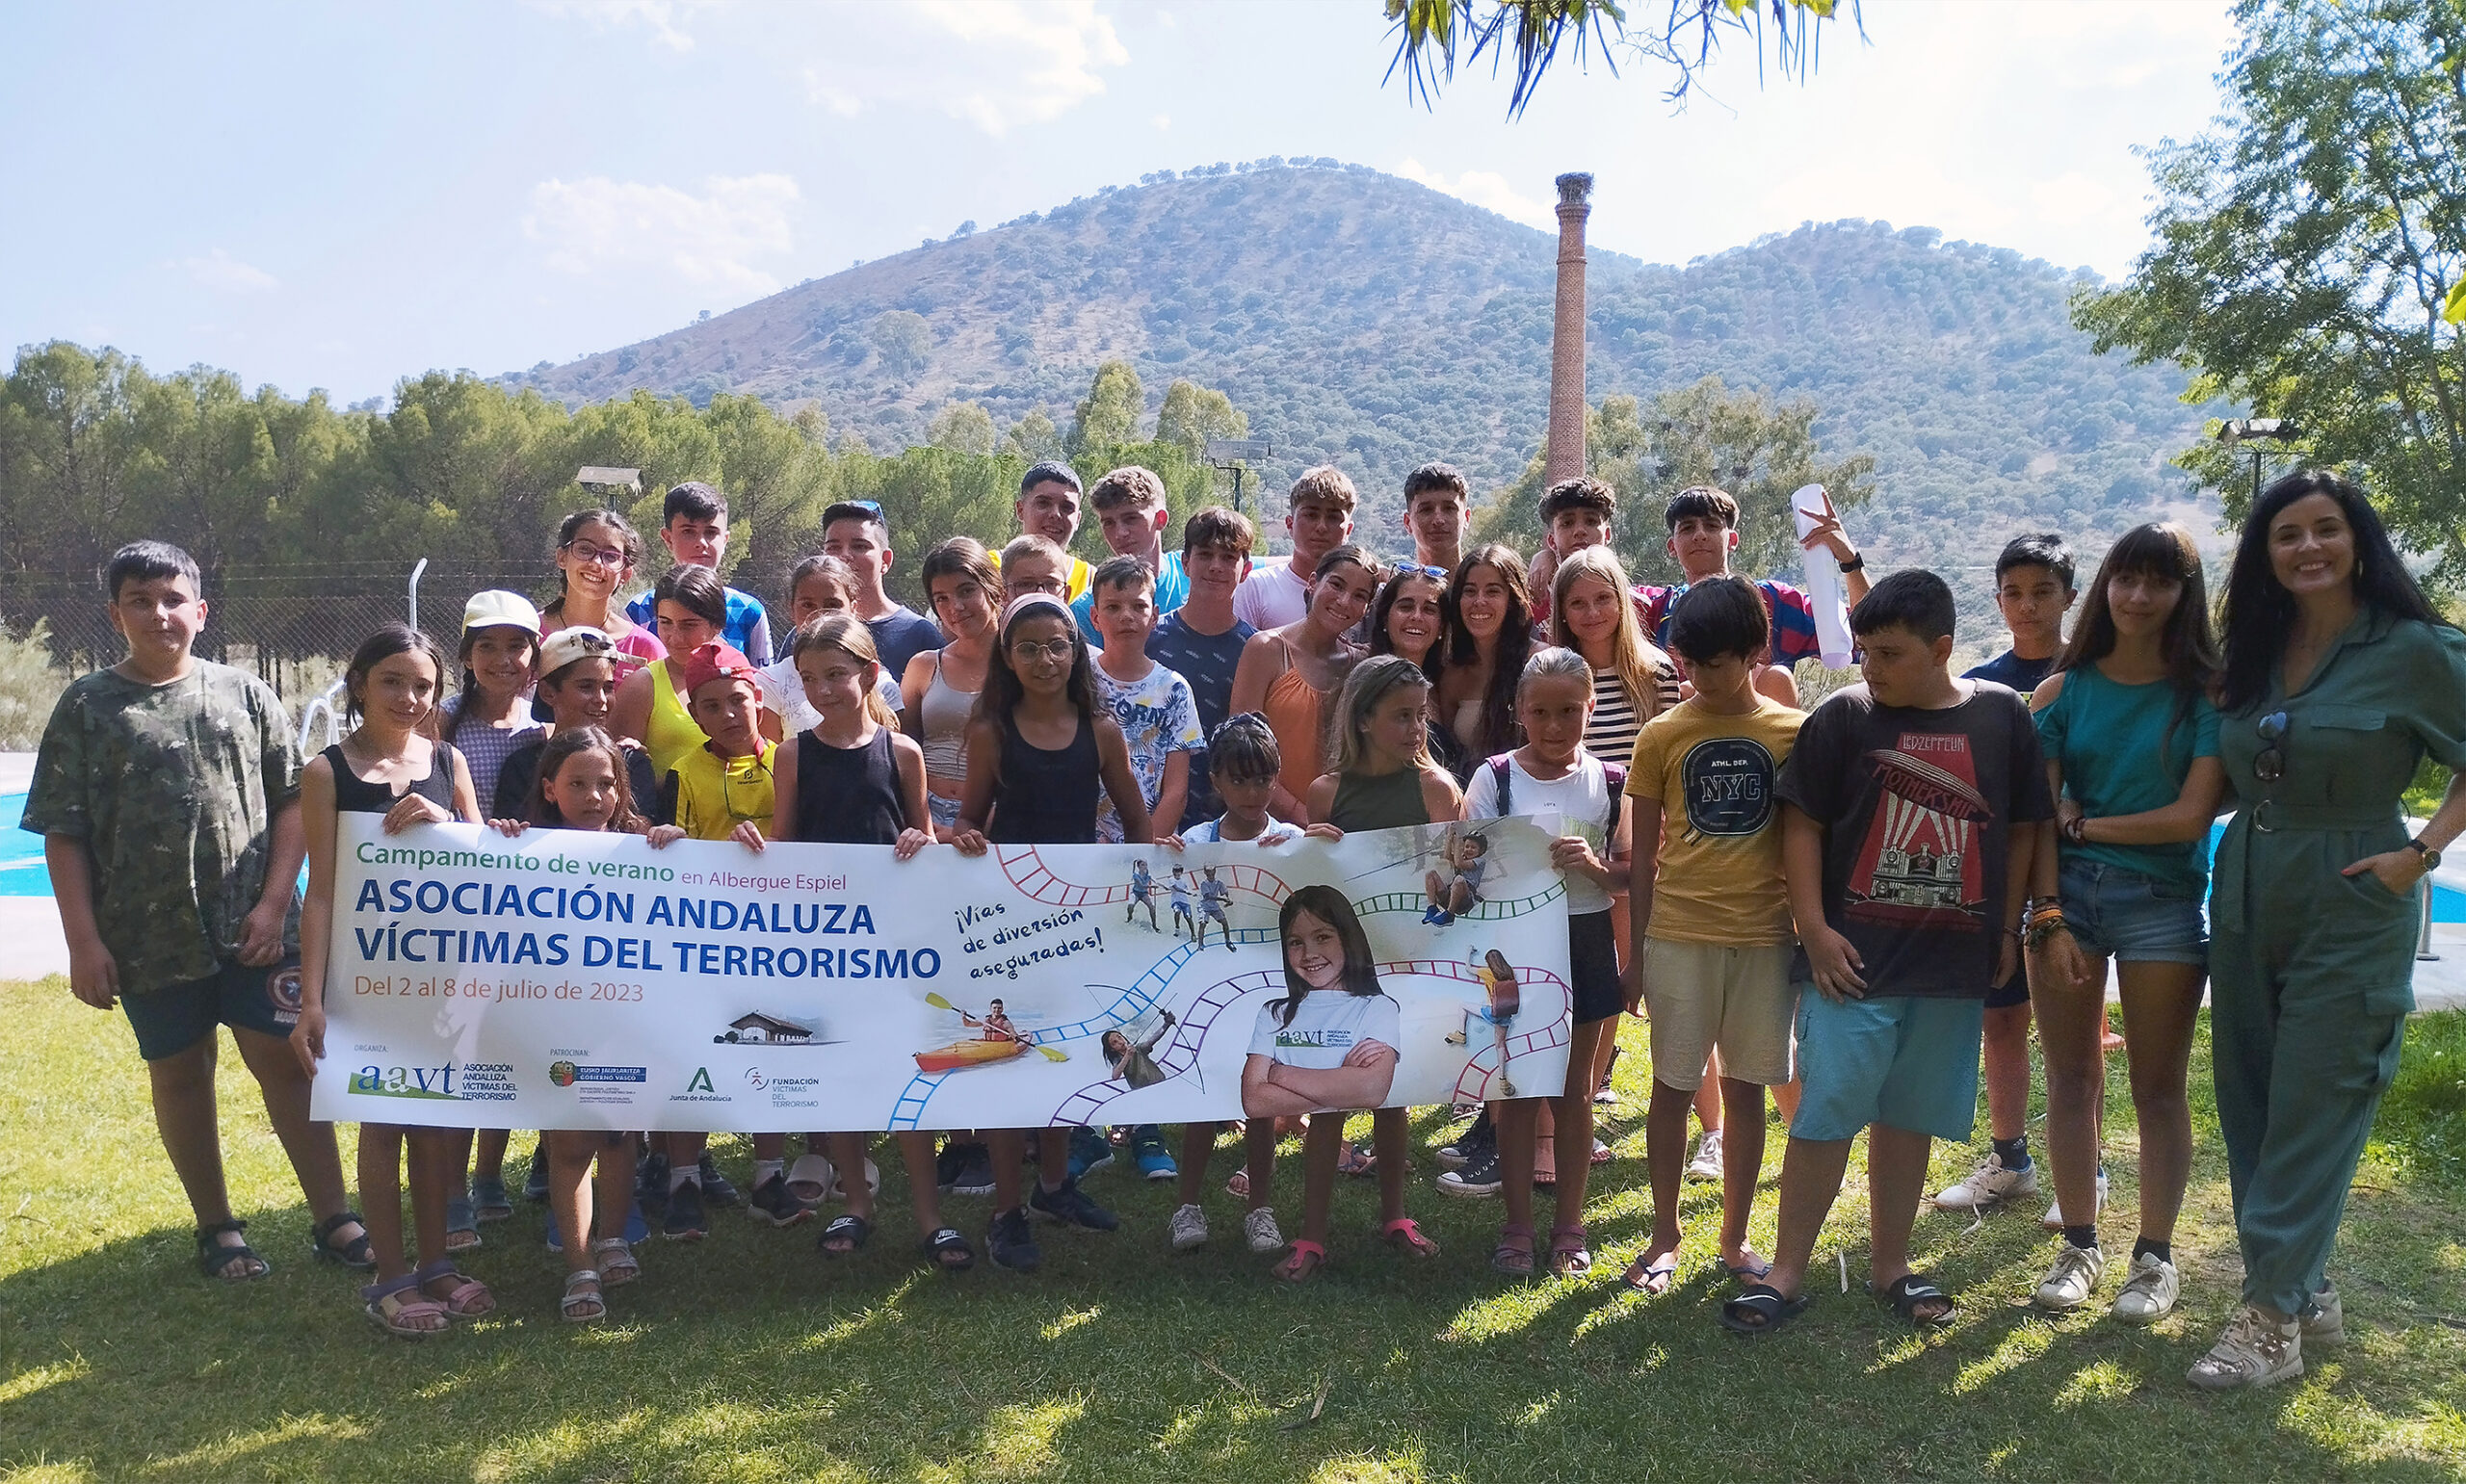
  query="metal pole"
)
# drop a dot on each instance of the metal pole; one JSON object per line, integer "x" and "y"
{"x": 2423, "y": 944}
{"x": 415, "y": 591}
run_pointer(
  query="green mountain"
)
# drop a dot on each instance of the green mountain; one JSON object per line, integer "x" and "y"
{"x": 1369, "y": 321}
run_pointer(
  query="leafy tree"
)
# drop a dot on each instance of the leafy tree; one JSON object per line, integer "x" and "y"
{"x": 1759, "y": 450}
{"x": 1033, "y": 437}
{"x": 1110, "y": 411}
{"x": 2310, "y": 253}
{"x": 903, "y": 341}
{"x": 962, "y": 428}
{"x": 1529, "y": 33}
{"x": 1194, "y": 414}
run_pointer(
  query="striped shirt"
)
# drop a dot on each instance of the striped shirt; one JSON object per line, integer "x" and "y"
{"x": 1611, "y": 734}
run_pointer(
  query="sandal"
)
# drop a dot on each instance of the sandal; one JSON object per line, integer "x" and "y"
{"x": 1407, "y": 1233}
{"x": 462, "y": 1225}
{"x": 617, "y": 1264}
{"x": 401, "y": 1310}
{"x": 467, "y": 1299}
{"x": 1654, "y": 1280}
{"x": 1747, "y": 1275}
{"x": 1509, "y": 1259}
{"x": 583, "y": 1302}
{"x": 489, "y": 1202}
{"x": 1354, "y": 1160}
{"x": 1570, "y": 1250}
{"x": 853, "y": 1232}
{"x": 1302, "y": 1262}
{"x": 214, "y": 1257}
{"x": 1545, "y": 1161}
{"x": 1911, "y": 1290}
{"x": 1761, "y": 1310}
{"x": 944, "y": 1244}
{"x": 357, "y": 1252}
{"x": 1239, "y": 1186}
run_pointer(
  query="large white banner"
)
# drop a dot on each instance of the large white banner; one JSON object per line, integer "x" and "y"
{"x": 573, "y": 981}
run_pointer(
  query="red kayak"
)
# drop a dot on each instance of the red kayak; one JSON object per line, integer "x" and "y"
{"x": 968, "y": 1054}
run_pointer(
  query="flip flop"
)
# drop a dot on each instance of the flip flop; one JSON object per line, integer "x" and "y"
{"x": 1652, "y": 1281}
{"x": 1761, "y": 1310}
{"x": 1909, "y": 1290}
{"x": 1747, "y": 1277}
{"x": 1407, "y": 1233}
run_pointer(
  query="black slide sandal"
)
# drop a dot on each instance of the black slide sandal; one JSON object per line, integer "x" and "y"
{"x": 1761, "y": 1310}
{"x": 1909, "y": 1290}
{"x": 945, "y": 1241}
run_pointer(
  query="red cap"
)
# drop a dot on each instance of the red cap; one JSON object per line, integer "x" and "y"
{"x": 714, "y": 661}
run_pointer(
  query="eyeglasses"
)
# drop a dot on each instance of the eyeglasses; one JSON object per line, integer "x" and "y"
{"x": 604, "y": 556}
{"x": 2269, "y": 765}
{"x": 1050, "y": 649}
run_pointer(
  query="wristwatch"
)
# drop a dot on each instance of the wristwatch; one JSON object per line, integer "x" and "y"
{"x": 2431, "y": 857}
{"x": 1856, "y": 563}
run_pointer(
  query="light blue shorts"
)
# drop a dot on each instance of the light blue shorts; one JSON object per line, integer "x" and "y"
{"x": 1904, "y": 1063}
{"x": 2131, "y": 918}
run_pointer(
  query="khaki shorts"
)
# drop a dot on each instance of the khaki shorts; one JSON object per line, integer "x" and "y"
{"x": 1704, "y": 995}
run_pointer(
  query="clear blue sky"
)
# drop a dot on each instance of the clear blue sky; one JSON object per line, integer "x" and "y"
{"x": 339, "y": 196}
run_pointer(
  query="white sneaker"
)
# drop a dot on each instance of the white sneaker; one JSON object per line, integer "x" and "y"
{"x": 1989, "y": 1185}
{"x": 2253, "y": 1352}
{"x": 2053, "y": 1220}
{"x": 2073, "y": 1278}
{"x": 1707, "y": 1164}
{"x": 1259, "y": 1229}
{"x": 2325, "y": 1318}
{"x": 1189, "y": 1228}
{"x": 2150, "y": 1294}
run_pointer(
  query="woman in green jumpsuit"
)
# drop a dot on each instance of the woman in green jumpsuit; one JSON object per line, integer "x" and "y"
{"x": 2339, "y": 679}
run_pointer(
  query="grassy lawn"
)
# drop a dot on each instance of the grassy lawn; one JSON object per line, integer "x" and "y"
{"x": 748, "y": 1357}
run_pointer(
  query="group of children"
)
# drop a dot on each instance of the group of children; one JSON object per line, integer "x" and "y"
{"x": 1814, "y": 904}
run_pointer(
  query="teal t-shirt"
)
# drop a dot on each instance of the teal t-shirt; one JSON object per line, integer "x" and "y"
{"x": 2123, "y": 751}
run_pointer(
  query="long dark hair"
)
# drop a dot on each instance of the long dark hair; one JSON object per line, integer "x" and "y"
{"x": 470, "y": 692}
{"x": 2259, "y": 613}
{"x": 394, "y": 638}
{"x": 1002, "y": 691}
{"x": 572, "y": 527}
{"x": 699, "y": 590}
{"x": 2164, "y": 550}
{"x": 568, "y": 741}
{"x": 1499, "y": 726}
{"x": 1388, "y": 593}
{"x": 1330, "y": 906}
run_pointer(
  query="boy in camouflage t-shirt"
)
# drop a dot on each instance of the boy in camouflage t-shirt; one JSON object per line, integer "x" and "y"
{"x": 166, "y": 791}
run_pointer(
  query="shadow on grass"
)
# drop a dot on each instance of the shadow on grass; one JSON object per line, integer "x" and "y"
{"x": 750, "y": 1356}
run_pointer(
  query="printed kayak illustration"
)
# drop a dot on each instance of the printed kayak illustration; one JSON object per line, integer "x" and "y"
{"x": 974, "y": 1052}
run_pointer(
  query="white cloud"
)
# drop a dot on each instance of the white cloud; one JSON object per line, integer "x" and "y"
{"x": 2072, "y": 199}
{"x": 665, "y": 19}
{"x": 1015, "y": 62}
{"x": 224, "y": 273}
{"x": 1164, "y": 120}
{"x": 1484, "y": 187}
{"x": 595, "y": 223}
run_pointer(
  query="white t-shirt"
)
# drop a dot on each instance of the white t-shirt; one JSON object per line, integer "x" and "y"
{"x": 1158, "y": 716}
{"x": 1272, "y": 597}
{"x": 1325, "y": 1029}
{"x": 1581, "y": 800}
{"x": 783, "y": 691}
{"x": 1277, "y": 833}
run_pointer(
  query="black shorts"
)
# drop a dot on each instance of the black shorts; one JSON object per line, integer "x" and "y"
{"x": 1592, "y": 968}
{"x": 2016, "y": 991}
{"x": 170, "y": 1020}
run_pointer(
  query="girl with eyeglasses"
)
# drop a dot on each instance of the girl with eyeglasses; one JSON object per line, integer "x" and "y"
{"x": 2339, "y": 679}
{"x": 2131, "y": 737}
{"x": 596, "y": 551}
{"x": 1040, "y": 749}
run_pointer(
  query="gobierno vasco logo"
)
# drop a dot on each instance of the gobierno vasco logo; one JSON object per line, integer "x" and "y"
{"x": 567, "y": 1074}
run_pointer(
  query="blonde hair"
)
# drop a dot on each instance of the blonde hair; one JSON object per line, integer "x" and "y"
{"x": 1637, "y": 661}
{"x": 1029, "y": 546}
{"x": 1364, "y": 688}
{"x": 847, "y": 634}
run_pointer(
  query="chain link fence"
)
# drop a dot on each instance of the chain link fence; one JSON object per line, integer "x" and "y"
{"x": 294, "y": 627}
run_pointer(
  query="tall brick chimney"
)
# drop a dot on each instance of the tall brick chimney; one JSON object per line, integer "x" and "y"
{"x": 1564, "y": 458}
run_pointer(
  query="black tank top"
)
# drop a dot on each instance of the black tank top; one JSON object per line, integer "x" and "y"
{"x": 848, "y": 796}
{"x": 1048, "y": 798}
{"x": 354, "y": 795}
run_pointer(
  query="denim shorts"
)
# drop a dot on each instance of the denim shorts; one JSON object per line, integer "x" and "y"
{"x": 1892, "y": 1059}
{"x": 170, "y": 1020}
{"x": 2131, "y": 918}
